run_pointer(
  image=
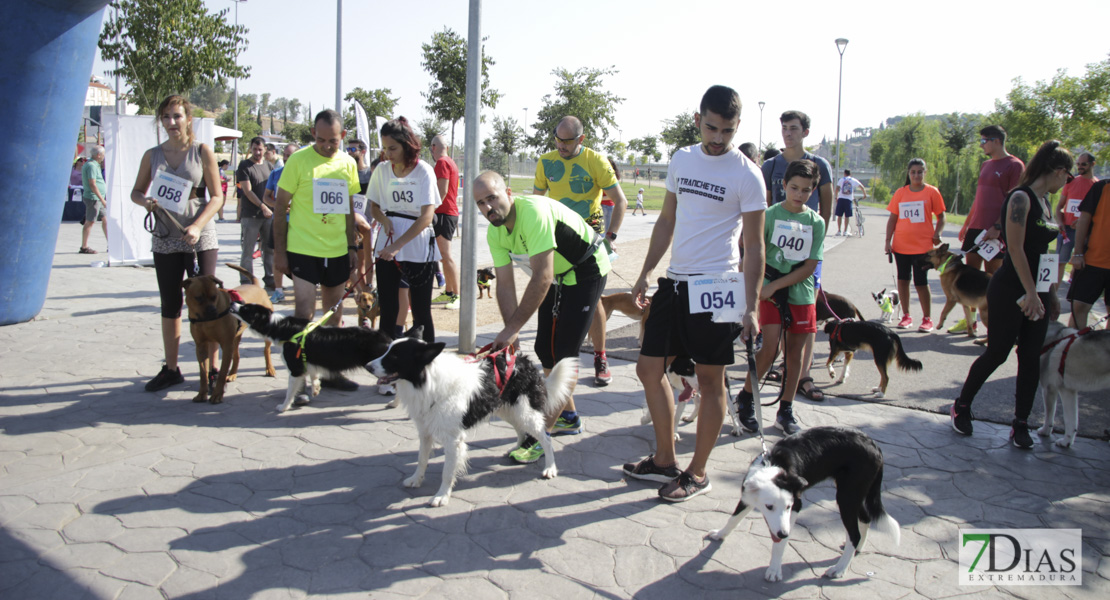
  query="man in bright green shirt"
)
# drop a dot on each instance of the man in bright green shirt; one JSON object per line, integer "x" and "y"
{"x": 569, "y": 266}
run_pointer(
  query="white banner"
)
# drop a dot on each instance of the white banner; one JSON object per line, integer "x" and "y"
{"x": 362, "y": 125}
{"x": 126, "y": 139}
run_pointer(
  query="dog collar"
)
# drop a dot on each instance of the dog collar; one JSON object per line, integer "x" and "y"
{"x": 235, "y": 297}
{"x": 944, "y": 265}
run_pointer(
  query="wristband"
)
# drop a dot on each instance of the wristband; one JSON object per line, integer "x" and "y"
{"x": 352, "y": 247}
{"x": 1077, "y": 255}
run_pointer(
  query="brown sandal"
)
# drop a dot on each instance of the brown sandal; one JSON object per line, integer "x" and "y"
{"x": 813, "y": 393}
{"x": 86, "y": 250}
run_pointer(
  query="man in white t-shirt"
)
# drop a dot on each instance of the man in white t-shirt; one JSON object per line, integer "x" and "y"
{"x": 845, "y": 191}
{"x": 712, "y": 192}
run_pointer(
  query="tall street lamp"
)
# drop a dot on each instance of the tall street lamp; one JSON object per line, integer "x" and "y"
{"x": 841, "y": 44}
{"x": 235, "y": 144}
{"x": 761, "y": 105}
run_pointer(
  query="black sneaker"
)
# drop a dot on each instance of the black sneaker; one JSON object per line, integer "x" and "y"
{"x": 745, "y": 411}
{"x": 164, "y": 379}
{"x": 212, "y": 377}
{"x": 647, "y": 470}
{"x": 684, "y": 487}
{"x": 961, "y": 418}
{"x": 602, "y": 377}
{"x": 785, "y": 419}
{"x": 1019, "y": 434}
{"x": 340, "y": 383}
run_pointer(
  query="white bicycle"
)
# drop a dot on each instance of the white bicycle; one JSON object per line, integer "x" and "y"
{"x": 859, "y": 216}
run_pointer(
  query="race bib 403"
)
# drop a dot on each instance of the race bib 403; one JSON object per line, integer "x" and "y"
{"x": 722, "y": 295}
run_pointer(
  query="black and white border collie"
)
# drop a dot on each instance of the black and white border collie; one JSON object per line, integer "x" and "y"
{"x": 447, "y": 396}
{"x": 328, "y": 351}
{"x": 775, "y": 483}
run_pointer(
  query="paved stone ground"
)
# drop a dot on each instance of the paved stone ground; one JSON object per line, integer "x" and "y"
{"x": 107, "y": 491}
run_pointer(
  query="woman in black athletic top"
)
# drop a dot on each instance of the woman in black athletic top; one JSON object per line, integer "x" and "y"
{"x": 1018, "y": 312}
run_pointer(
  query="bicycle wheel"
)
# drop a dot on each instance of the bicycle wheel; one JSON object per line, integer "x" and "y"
{"x": 859, "y": 220}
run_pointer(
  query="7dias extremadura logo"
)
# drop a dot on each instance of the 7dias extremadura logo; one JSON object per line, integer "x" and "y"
{"x": 1021, "y": 557}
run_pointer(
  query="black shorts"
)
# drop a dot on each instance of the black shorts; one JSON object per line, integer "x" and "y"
{"x": 1088, "y": 283}
{"x": 328, "y": 272}
{"x": 671, "y": 329}
{"x": 843, "y": 207}
{"x": 445, "y": 226}
{"x": 562, "y": 337}
{"x": 908, "y": 263}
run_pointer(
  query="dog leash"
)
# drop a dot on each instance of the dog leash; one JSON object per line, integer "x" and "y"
{"x": 486, "y": 353}
{"x": 302, "y": 335}
{"x": 755, "y": 395}
{"x": 150, "y": 224}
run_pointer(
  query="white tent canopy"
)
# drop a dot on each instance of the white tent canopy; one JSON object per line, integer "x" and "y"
{"x": 224, "y": 134}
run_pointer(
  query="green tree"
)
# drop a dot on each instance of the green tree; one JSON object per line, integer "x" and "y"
{"x": 445, "y": 60}
{"x": 507, "y": 138}
{"x": 204, "y": 47}
{"x": 428, "y": 128}
{"x": 376, "y": 103}
{"x": 249, "y": 127}
{"x": 264, "y": 109}
{"x": 210, "y": 96}
{"x": 680, "y": 132}
{"x": 280, "y": 107}
{"x": 616, "y": 149}
{"x": 646, "y": 147}
{"x": 293, "y": 106}
{"x": 912, "y": 136}
{"x": 578, "y": 93}
{"x": 250, "y": 101}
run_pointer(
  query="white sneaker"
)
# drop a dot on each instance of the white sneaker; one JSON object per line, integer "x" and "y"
{"x": 387, "y": 389}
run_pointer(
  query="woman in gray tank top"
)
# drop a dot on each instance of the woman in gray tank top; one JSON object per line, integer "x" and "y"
{"x": 185, "y": 243}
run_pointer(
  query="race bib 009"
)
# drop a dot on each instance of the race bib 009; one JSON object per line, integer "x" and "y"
{"x": 329, "y": 197}
{"x": 722, "y": 295}
{"x": 171, "y": 191}
{"x": 359, "y": 202}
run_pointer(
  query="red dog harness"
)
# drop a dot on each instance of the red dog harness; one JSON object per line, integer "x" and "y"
{"x": 1070, "y": 339}
{"x": 510, "y": 363}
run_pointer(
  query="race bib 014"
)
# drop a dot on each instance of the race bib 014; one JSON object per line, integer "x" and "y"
{"x": 914, "y": 212}
{"x": 171, "y": 191}
{"x": 722, "y": 295}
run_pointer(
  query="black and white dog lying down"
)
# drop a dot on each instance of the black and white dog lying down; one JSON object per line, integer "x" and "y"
{"x": 328, "y": 351}
{"x": 775, "y": 483}
{"x": 447, "y": 396}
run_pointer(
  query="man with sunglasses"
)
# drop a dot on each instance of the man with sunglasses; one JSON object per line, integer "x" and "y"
{"x": 1067, "y": 208}
{"x": 576, "y": 177}
{"x": 997, "y": 176}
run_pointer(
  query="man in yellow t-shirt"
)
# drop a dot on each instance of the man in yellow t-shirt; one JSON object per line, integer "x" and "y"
{"x": 576, "y": 176}
{"x": 317, "y": 245}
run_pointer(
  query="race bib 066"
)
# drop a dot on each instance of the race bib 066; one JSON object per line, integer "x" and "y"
{"x": 722, "y": 295}
{"x": 171, "y": 191}
{"x": 329, "y": 197}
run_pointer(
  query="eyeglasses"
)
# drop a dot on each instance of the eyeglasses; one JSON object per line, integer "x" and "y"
{"x": 565, "y": 141}
{"x": 985, "y": 140}
{"x": 354, "y": 149}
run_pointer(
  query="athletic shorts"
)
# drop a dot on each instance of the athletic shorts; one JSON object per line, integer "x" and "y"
{"x": 445, "y": 226}
{"x": 1088, "y": 283}
{"x": 843, "y": 207}
{"x": 911, "y": 263}
{"x": 804, "y": 315}
{"x": 1064, "y": 249}
{"x": 561, "y": 337}
{"x": 671, "y": 330}
{"x": 328, "y": 272}
{"x": 93, "y": 210}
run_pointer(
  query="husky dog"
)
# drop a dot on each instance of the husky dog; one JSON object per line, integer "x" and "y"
{"x": 1070, "y": 365}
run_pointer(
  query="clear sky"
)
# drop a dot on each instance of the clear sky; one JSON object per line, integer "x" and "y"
{"x": 933, "y": 57}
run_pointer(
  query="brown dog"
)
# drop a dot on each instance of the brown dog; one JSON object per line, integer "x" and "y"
{"x": 484, "y": 277}
{"x": 625, "y": 303}
{"x": 368, "y": 308}
{"x": 210, "y": 320}
{"x": 961, "y": 284}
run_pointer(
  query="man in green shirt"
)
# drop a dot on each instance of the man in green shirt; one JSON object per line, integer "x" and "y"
{"x": 92, "y": 178}
{"x": 569, "y": 266}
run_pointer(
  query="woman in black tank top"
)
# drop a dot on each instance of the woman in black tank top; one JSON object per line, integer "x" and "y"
{"x": 1018, "y": 312}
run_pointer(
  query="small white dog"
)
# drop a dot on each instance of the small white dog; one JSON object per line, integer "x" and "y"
{"x": 886, "y": 301}
{"x": 1083, "y": 370}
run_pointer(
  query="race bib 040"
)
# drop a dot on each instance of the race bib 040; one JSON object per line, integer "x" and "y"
{"x": 722, "y": 295}
{"x": 171, "y": 191}
{"x": 794, "y": 239}
{"x": 329, "y": 197}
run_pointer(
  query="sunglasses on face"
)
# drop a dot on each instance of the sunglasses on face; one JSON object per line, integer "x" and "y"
{"x": 570, "y": 140}
{"x": 985, "y": 140}
{"x": 353, "y": 149}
